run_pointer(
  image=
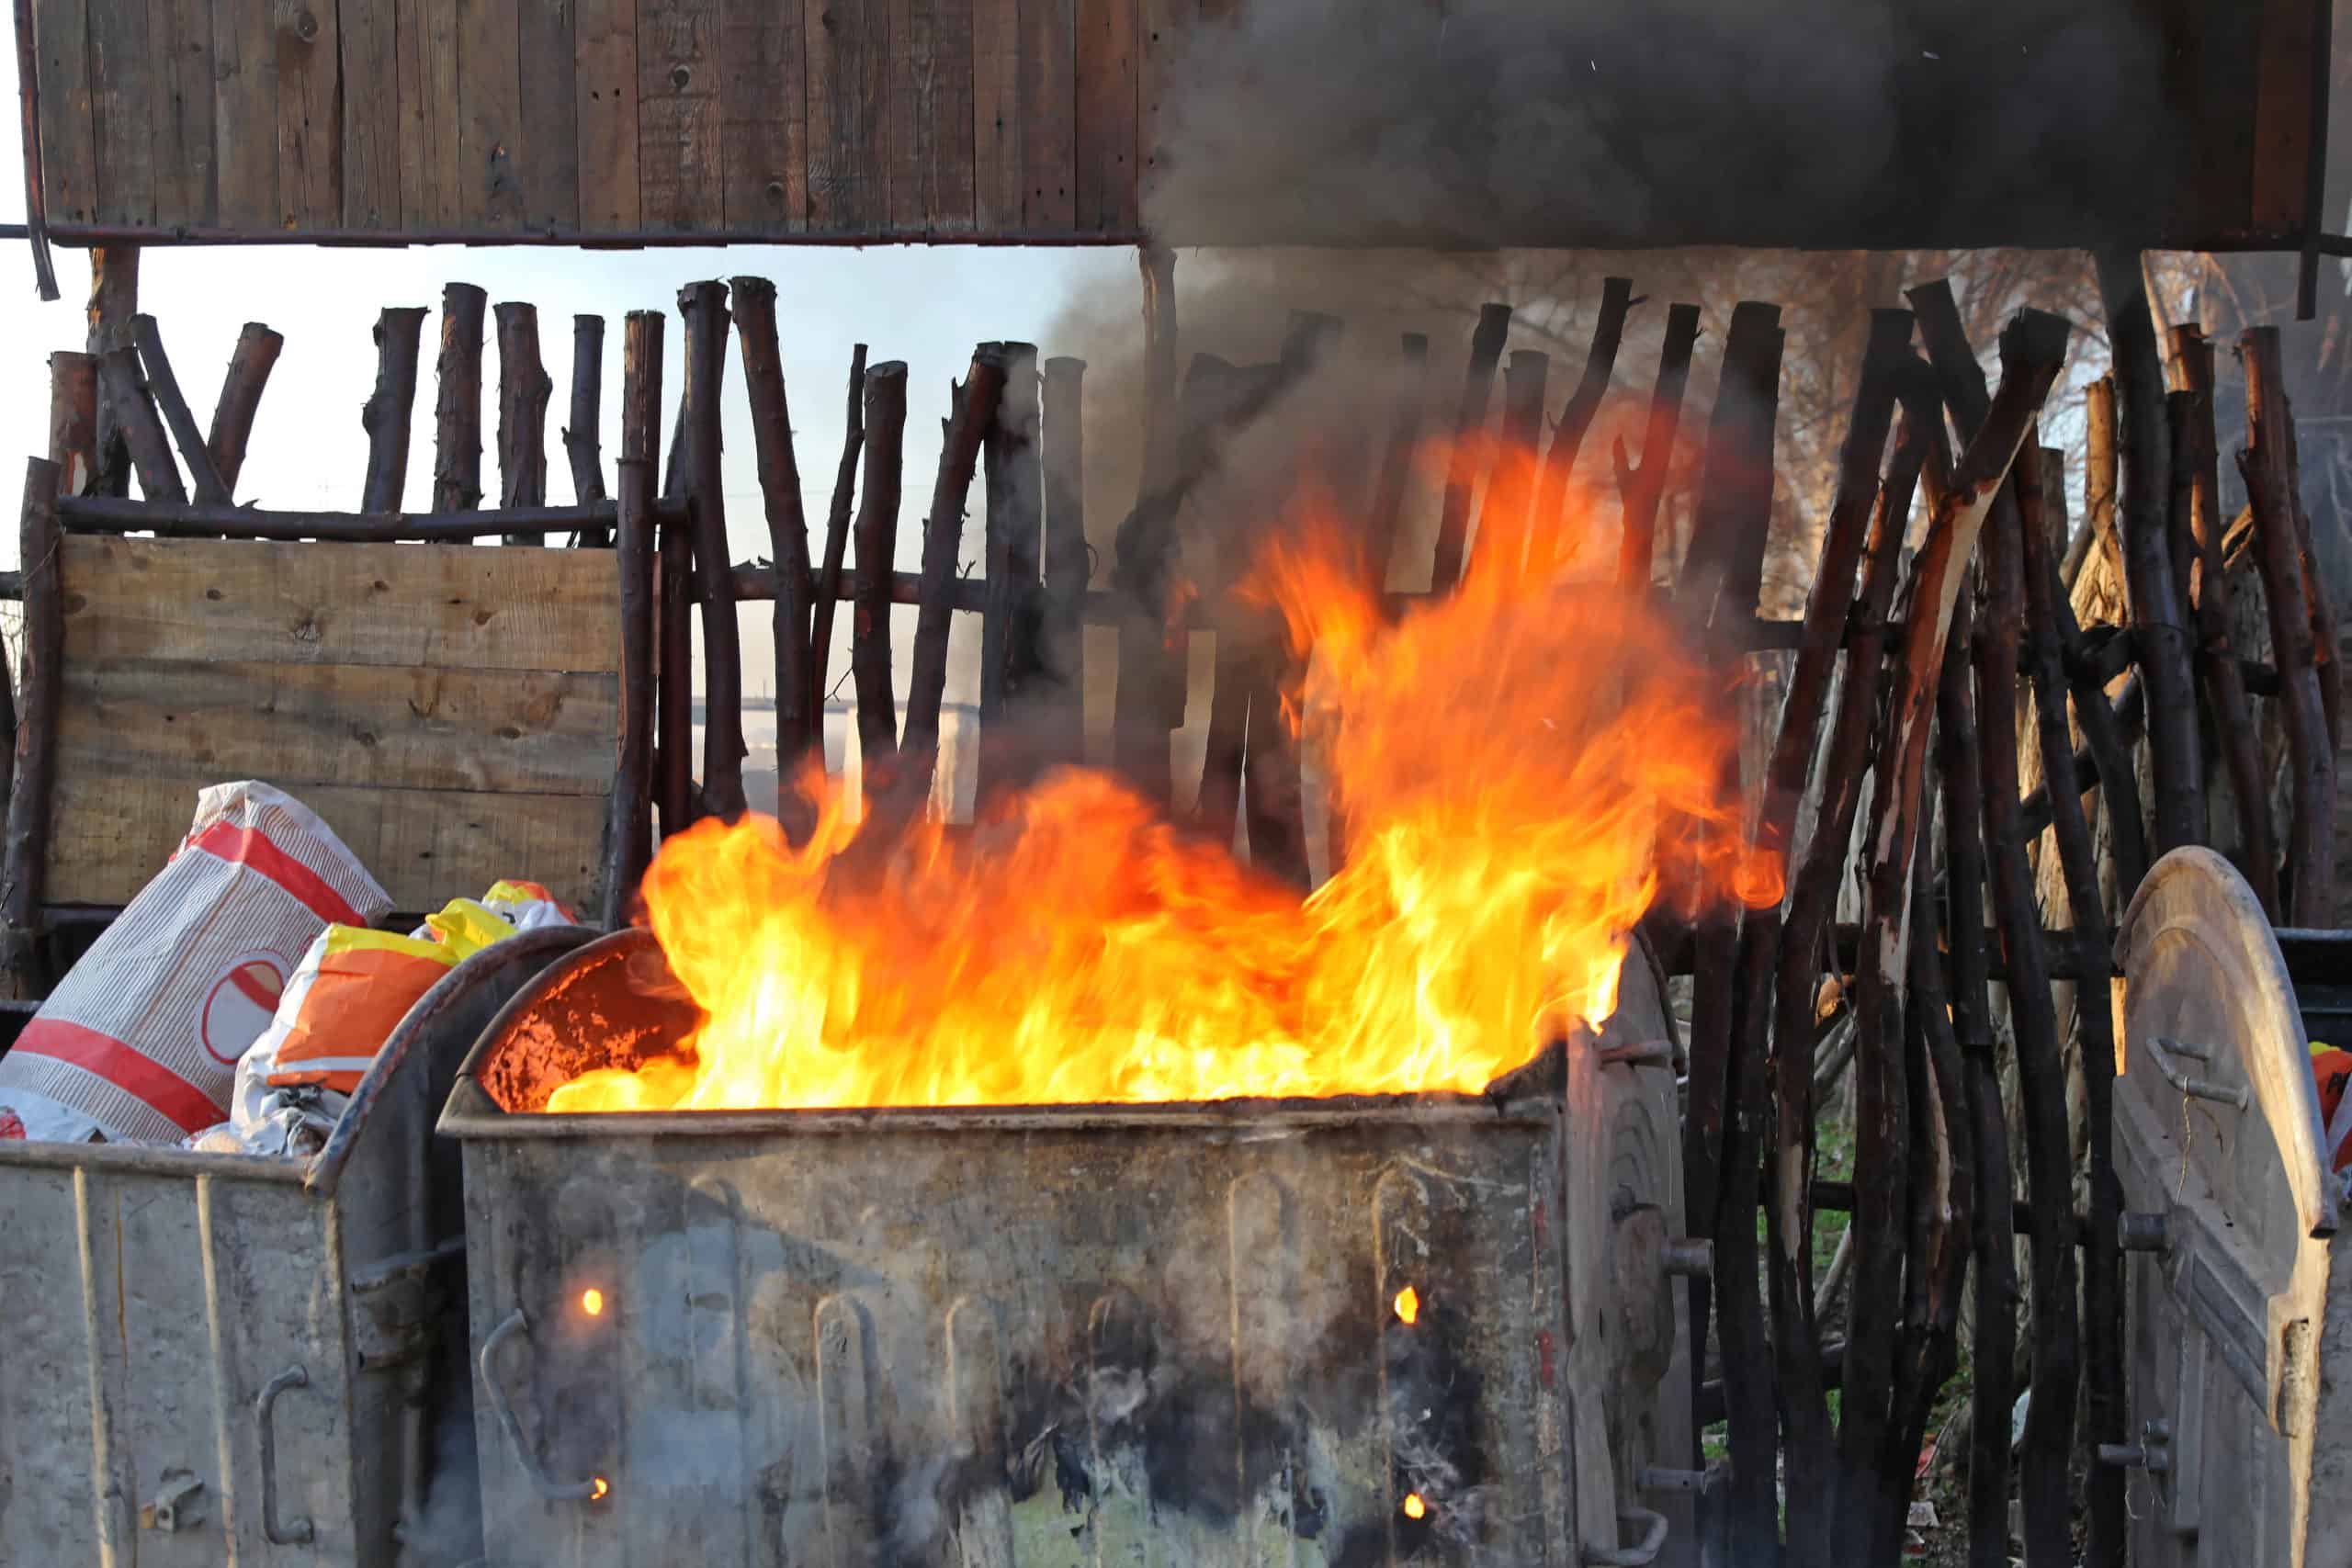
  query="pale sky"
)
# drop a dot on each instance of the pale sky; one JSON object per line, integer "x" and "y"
{"x": 925, "y": 305}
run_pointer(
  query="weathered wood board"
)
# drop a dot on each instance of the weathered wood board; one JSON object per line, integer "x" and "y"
{"x": 452, "y": 712}
{"x": 1065, "y": 121}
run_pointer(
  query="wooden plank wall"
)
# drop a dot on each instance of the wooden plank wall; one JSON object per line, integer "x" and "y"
{"x": 821, "y": 118}
{"x": 452, "y": 713}
{"x": 743, "y": 117}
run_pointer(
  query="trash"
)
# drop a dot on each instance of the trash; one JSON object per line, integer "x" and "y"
{"x": 11, "y": 1124}
{"x": 1923, "y": 1516}
{"x": 141, "y": 1040}
{"x": 347, "y": 996}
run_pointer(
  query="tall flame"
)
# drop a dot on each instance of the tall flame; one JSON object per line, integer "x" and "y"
{"x": 1511, "y": 763}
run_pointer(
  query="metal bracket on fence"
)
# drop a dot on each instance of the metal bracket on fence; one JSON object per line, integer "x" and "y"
{"x": 1642, "y": 1553}
{"x": 554, "y": 1492}
{"x": 2162, "y": 1052}
{"x": 2151, "y": 1454}
{"x": 2146, "y": 1232}
{"x": 1693, "y": 1258}
{"x": 1659, "y": 1478}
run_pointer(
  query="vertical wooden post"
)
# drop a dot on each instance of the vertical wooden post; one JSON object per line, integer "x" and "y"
{"x": 2267, "y": 463}
{"x": 241, "y": 388}
{"x": 1642, "y": 489}
{"x": 1062, "y": 643}
{"x": 114, "y": 299}
{"x": 456, "y": 456}
{"x": 390, "y": 409}
{"x": 1396, "y": 466}
{"x": 74, "y": 419}
{"x": 1723, "y": 571}
{"x": 202, "y": 476}
{"x": 2159, "y": 629}
{"x": 878, "y": 546}
{"x": 2196, "y": 451}
{"x": 1546, "y": 541}
{"x": 635, "y": 542}
{"x": 629, "y": 835}
{"x": 1468, "y": 457}
{"x": 1014, "y": 484}
{"x": 827, "y": 593}
{"x": 798, "y": 728}
{"x": 704, "y": 306}
{"x": 24, "y": 860}
{"x": 1152, "y": 674}
{"x": 1505, "y": 523}
{"x": 975, "y": 405}
{"x": 524, "y": 389}
{"x": 122, "y": 387}
{"x": 583, "y": 443}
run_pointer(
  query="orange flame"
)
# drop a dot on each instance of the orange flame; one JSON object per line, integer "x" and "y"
{"x": 1511, "y": 763}
{"x": 591, "y": 1302}
{"x": 1409, "y": 1305}
{"x": 1414, "y": 1506}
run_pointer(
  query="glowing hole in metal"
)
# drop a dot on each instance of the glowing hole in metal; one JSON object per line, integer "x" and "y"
{"x": 591, "y": 1302}
{"x": 1409, "y": 1306}
{"x": 1414, "y": 1506}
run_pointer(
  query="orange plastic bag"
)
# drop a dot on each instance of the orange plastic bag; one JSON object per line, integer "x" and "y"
{"x": 2332, "y": 1069}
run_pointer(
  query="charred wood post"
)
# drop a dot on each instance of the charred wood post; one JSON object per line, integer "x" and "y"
{"x": 636, "y": 544}
{"x": 943, "y": 534}
{"x": 1993, "y": 1347}
{"x": 2159, "y": 623}
{"x": 1396, "y": 465}
{"x": 114, "y": 299}
{"x": 1501, "y": 543}
{"x": 123, "y": 389}
{"x": 1736, "y": 496}
{"x": 1962, "y": 382}
{"x": 24, "y": 860}
{"x": 1014, "y": 483}
{"x": 1936, "y": 1259}
{"x": 878, "y": 546}
{"x": 389, "y": 408}
{"x": 241, "y": 388}
{"x": 1723, "y": 569}
{"x": 583, "y": 443}
{"x": 2197, "y": 452}
{"x": 1274, "y": 785}
{"x": 2266, "y": 462}
{"x": 799, "y": 727}
{"x": 1468, "y": 456}
{"x": 704, "y": 306}
{"x": 2103, "y": 1335}
{"x": 524, "y": 389}
{"x": 457, "y": 415}
{"x": 1748, "y": 1355}
{"x": 1547, "y": 528}
{"x": 1062, "y": 636}
{"x": 2033, "y": 348}
{"x": 1642, "y": 489}
{"x": 827, "y": 592}
{"x": 74, "y": 419}
{"x": 1148, "y": 704}
{"x": 628, "y": 837}
{"x": 165, "y": 387}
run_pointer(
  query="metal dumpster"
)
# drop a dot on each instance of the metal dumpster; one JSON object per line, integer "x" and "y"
{"x": 1344, "y": 1332}
{"x": 211, "y": 1359}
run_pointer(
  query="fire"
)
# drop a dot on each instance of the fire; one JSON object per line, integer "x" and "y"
{"x": 1414, "y": 1506}
{"x": 598, "y": 1483}
{"x": 1513, "y": 763}
{"x": 1409, "y": 1305}
{"x": 591, "y": 1302}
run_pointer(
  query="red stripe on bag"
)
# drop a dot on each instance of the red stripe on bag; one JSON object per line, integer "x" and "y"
{"x": 163, "y": 1091}
{"x": 243, "y": 846}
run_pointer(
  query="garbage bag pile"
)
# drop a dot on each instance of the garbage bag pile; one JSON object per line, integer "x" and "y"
{"x": 244, "y": 993}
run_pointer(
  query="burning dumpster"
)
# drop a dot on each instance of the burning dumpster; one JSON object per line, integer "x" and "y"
{"x": 1343, "y": 1330}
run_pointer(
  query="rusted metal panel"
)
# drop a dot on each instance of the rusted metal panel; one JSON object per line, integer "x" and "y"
{"x": 217, "y": 1358}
